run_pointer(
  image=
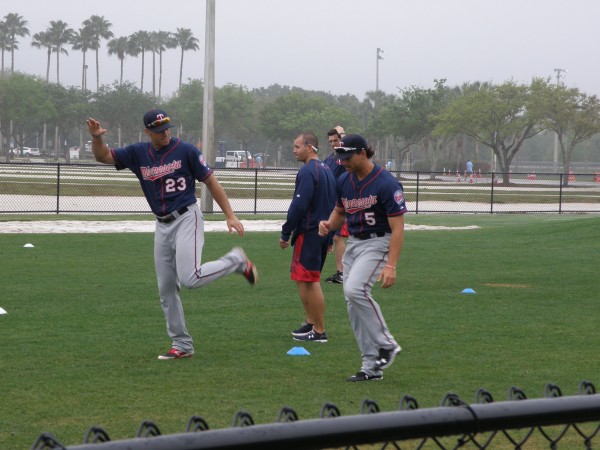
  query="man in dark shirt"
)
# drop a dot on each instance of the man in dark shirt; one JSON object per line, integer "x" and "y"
{"x": 314, "y": 199}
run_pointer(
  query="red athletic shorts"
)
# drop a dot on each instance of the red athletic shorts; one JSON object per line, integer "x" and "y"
{"x": 310, "y": 251}
{"x": 343, "y": 232}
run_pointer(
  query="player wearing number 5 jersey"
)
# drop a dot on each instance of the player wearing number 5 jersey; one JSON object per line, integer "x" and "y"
{"x": 372, "y": 201}
{"x": 167, "y": 169}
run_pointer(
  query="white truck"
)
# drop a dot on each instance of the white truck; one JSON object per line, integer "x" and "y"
{"x": 238, "y": 159}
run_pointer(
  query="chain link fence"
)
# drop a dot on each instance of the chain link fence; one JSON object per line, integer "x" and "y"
{"x": 58, "y": 188}
{"x": 552, "y": 422}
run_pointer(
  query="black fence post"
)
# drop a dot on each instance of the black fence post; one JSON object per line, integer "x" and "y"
{"x": 255, "y": 189}
{"x": 58, "y": 188}
{"x": 492, "y": 194}
{"x": 560, "y": 191}
{"x": 417, "y": 195}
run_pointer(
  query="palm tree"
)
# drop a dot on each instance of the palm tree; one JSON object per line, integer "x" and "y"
{"x": 119, "y": 47}
{"x": 44, "y": 40}
{"x": 139, "y": 43}
{"x": 60, "y": 34}
{"x": 163, "y": 40}
{"x": 99, "y": 29}
{"x": 15, "y": 26}
{"x": 154, "y": 50}
{"x": 3, "y": 44}
{"x": 82, "y": 40}
{"x": 186, "y": 40}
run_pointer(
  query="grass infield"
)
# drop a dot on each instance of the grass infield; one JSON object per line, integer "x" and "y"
{"x": 84, "y": 328}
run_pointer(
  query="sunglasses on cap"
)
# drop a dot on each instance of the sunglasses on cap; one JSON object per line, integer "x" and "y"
{"x": 346, "y": 149}
{"x": 158, "y": 122}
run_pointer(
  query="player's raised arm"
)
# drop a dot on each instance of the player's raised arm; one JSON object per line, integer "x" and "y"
{"x": 99, "y": 148}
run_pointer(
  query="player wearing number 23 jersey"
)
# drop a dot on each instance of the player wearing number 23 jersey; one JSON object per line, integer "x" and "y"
{"x": 168, "y": 169}
{"x": 167, "y": 177}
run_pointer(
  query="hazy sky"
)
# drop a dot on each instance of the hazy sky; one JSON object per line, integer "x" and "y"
{"x": 331, "y": 45}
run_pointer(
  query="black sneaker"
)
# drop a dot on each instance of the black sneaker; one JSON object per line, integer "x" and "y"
{"x": 361, "y": 376}
{"x": 336, "y": 278}
{"x": 312, "y": 336}
{"x": 386, "y": 357}
{"x": 304, "y": 329}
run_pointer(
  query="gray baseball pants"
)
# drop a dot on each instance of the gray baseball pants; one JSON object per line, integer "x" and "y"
{"x": 178, "y": 262}
{"x": 363, "y": 261}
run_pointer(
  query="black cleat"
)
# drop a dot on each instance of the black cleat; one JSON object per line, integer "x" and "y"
{"x": 361, "y": 376}
{"x": 336, "y": 278}
{"x": 386, "y": 357}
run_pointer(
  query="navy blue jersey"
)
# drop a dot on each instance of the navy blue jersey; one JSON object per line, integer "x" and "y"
{"x": 369, "y": 202}
{"x": 335, "y": 165}
{"x": 314, "y": 199}
{"x": 168, "y": 176}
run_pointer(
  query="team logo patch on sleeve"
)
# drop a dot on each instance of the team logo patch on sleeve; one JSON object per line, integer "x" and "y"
{"x": 399, "y": 196}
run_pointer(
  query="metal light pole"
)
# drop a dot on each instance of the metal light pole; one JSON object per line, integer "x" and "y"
{"x": 208, "y": 119}
{"x": 379, "y": 57}
{"x": 558, "y": 72}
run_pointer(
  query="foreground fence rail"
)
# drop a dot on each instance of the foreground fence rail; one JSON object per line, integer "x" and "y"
{"x": 572, "y": 421}
{"x": 56, "y": 188}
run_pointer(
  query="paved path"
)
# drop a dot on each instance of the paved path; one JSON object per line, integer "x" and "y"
{"x": 147, "y": 226}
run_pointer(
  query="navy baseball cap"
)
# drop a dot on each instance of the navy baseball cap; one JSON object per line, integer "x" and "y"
{"x": 157, "y": 120}
{"x": 351, "y": 144}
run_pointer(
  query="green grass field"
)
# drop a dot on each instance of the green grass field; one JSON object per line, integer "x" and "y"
{"x": 84, "y": 328}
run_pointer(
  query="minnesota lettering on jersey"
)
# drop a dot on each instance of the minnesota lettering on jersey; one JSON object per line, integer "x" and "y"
{"x": 154, "y": 173}
{"x": 354, "y": 205}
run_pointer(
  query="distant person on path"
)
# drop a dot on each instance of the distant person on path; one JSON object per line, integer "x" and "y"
{"x": 372, "y": 201}
{"x": 314, "y": 198}
{"x": 469, "y": 169}
{"x": 334, "y": 137}
{"x": 167, "y": 169}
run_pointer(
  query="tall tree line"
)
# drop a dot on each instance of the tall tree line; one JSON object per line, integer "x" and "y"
{"x": 438, "y": 127}
{"x": 59, "y": 37}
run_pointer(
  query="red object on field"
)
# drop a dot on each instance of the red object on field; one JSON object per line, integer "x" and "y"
{"x": 597, "y": 177}
{"x": 571, "y": 176}
{"x": 532, "y": 176}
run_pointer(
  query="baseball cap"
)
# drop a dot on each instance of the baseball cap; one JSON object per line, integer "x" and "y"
{"x": 340, "y": 130}
{"x": 351, "y": 143}
{"x": 157, "y": 120}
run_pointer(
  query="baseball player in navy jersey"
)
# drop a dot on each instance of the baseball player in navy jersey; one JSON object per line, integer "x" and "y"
{"x": 334, "y": 137}
{"x": 167, "y": 169}
{"x": 372, "y": 201}
{"x": 314, "y": 198}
